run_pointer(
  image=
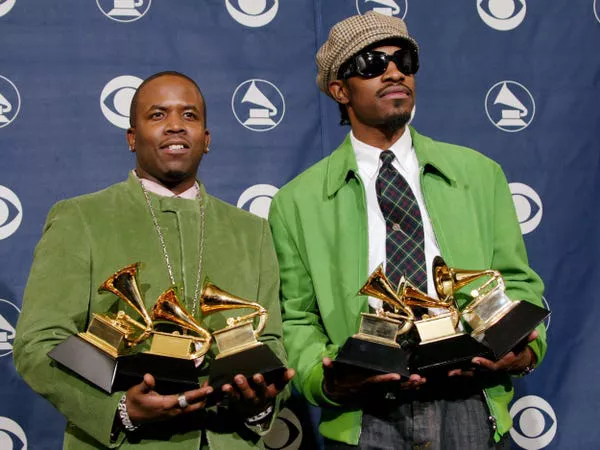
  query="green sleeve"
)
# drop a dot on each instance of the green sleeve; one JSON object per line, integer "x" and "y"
{"x": 56, "y": 305}
{"x": 510, "y": 257}
{"x": 304, "y": 336}
{"x": 268, "y": 295}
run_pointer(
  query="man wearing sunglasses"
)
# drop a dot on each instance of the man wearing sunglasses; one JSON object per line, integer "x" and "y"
{"x": 333, "y": 225}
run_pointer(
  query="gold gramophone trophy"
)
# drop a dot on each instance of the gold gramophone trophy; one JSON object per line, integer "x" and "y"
{"x": 442, "y": 345}
{"x": 374, "y": 347}
{"x": 498, "y": 322}
{"x": 96, "y": 353}
{"x": 239, "y": 350}
{"x": 175, "y": 356}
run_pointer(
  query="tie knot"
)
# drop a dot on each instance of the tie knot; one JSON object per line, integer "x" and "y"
{"x": 386, "y": 157}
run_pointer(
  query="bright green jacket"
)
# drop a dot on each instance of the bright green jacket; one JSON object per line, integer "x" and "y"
{"x": 319, "y": 225}
{"x": 88, "y": 238}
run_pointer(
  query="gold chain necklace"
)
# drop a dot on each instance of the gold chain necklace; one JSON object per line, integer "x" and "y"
{"x": 164, "y": 246}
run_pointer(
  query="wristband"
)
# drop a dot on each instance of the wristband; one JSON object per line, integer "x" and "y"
{"x": 125, "y": 420}
{"x": 260, "y": 416}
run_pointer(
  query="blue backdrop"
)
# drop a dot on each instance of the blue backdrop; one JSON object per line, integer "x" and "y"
{"x": 518, "y": 80}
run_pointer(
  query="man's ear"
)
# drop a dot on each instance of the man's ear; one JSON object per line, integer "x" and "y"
{"x": 131, "y": 139}
{"x": 206, "y": 140}
{"x": 339, "y": 91}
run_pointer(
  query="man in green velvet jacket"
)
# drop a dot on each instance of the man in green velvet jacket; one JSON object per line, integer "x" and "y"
{"x": 323, "y": 225}
{"x": 162, "y": 217}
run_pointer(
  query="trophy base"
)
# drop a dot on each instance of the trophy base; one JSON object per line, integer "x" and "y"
{"x": 87, "y": 361}
{"x": 512, "y": 330}
{"x": 172, "y": 375}
{"x": 259, "y": 359}
{"x": 454, "y": 352}
{"x": 372, "y": 356}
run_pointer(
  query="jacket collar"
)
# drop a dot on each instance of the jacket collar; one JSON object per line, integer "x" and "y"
{"x": 342, "y": 164}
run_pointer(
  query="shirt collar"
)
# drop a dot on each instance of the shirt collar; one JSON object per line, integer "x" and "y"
{"x": 159, "y": 189}
{"x": 367, "y": 156}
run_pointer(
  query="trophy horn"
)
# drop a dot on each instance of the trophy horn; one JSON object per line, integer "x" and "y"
{"x": 215, "y": 299}
{"x": 379, "y": 286}
{"x": 123, "y": 284}
{"x": 448, "y": 280}
{"x": 168, "y": 308}
{"x": 413, "y": 296}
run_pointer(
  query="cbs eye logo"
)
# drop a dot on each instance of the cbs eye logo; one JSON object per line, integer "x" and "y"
{"x": 115, "y": 99}
{"x": 6, "y": 6}
{"x": 502, "y": 15}
{"x": 252, "y": 13}
{"x": 386, "y": 7}
{"x": 10, "y": 99}
{"x": 534, "y": 422}
{"x": 547, "y": 306}
{"x": 286, "y": 433}
{"x": 257, "y": 199}
{"x": 528, "y": 205}
{"x": 11, "y": 212}
{"x": 12, "y": 435}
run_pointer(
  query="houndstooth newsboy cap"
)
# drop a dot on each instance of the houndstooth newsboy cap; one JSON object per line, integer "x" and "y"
{"x": 352, "y": 35}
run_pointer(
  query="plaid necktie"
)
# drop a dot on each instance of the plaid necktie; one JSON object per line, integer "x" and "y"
{"x": 404, "y": 240}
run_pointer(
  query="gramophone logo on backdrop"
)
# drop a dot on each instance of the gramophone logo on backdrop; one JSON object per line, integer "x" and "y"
{"x": 6, "y": 6}
{"x": 124, "y": 10}
{"x": 9, "y": 314}
{"x": 597, "y": 10}
{"x": 502, "y": 15}
{"x": 252, "y": 13}
{"x": 11, "y": 212}
{"x": 258, "y": 105}
{"x": 257, "y": 199}
{"x": 10, "y": 101}
{"x": 12, "y": 436}
{"x": 115, "y": 99}
{"x": 387, "y": 7}
{"x": 534, "y": 422}
{"x": 528, "y": 205}
{"x": 509, "y": 106}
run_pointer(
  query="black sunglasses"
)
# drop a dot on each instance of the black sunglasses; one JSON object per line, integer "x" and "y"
{"x": 373, "y": 63}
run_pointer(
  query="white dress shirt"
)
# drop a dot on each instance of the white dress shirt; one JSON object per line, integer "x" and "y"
{"x": 405, "y": 162}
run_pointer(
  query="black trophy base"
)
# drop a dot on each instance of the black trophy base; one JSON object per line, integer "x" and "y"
{"x": 259, "y": 359}
{"x": 456, "y": 352}
{"x": 373, "y": 357}
{"x": 172, "y": 375}
{"x": 87, "y": 361}
{"x": 512, "y": 330}
{"x": 111, "y": 374}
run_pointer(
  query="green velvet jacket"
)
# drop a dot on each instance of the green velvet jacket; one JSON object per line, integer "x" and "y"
{"x": 319, "y": 225}
{"x": 88, "y": 238}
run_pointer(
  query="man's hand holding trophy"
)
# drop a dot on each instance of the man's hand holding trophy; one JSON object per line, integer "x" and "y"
{"x": 110, "y": 356}
{"x": 438, "y": 338}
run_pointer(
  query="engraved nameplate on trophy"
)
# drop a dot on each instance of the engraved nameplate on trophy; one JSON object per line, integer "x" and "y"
{"x": 374, "y": 347}
{"x": 498, "y": 322}
{"x": 239, "y": 351}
